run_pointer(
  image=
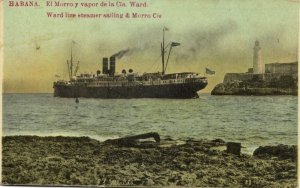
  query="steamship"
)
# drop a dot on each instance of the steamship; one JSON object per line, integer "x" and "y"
{"x": 109, "y": 84}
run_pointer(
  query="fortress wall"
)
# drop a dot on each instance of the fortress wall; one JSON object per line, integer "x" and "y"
{"x": 272, "y": 71}
{"x": 229, "y": 77}
{"x": 284, "y": 68}
{"x": 284, "y": 77}
{"x": 270, "y": 76}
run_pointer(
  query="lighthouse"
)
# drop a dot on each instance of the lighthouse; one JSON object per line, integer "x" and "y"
{"x": 257, "y": 63}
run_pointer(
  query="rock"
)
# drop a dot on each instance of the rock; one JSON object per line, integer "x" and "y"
{"x": 200, "y": 148}
{"x": 234, "y": 148}
{"x": 280, "y": 151}
{"x": 218, "y": 140}
{"x": 149, "y": 182}
{"x": 237, "y": 87}
{"x": 39, "y": 161}
{"x": 133, "y": 141}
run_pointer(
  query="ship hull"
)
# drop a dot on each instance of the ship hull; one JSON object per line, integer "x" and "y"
{"x": 180, "y": 91}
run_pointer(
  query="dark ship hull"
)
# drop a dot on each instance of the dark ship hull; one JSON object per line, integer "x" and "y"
{"x": 178, "y": 90}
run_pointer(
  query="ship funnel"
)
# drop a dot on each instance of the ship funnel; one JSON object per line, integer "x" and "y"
{"x": 105, "y": 66}
{"x": 112, "y": 65}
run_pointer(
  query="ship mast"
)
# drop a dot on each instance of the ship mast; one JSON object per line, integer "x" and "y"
{"x": 71, "y": 63}
{"x": 163, "y": 52}
{"x": 71, "y": 59}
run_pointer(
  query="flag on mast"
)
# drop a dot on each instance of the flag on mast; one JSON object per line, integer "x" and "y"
{"x": 209, "y": 71}
{"x": 173, "y": 44}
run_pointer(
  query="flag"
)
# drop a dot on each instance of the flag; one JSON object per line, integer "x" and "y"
{"x": 173, "y": 44}
{"x": 166, "y": 29}
{"x": 208, "y": 71}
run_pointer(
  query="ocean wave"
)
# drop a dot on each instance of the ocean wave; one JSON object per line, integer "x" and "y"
{"x": 251, "y": 120}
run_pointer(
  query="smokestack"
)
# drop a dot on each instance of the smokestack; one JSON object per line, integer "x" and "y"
{"x": 112, "y": 65}
{"x": 105, "y": 65}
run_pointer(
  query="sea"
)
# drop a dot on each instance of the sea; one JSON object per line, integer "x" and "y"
{"x": 252, "y": 120}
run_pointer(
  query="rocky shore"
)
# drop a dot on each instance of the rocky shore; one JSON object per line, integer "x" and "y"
{"x": 167, "y": 162}
{"x": 252, "y": 88}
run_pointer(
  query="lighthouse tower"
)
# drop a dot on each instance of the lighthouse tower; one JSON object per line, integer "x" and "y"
{"x": 257, "y": 63}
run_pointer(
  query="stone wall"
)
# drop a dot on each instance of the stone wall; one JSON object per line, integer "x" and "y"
{"x": 283, "y": 68}
{"x": 230, "y": 77}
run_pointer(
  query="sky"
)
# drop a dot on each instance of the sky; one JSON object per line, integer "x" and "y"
{"x": 216, "y": 34}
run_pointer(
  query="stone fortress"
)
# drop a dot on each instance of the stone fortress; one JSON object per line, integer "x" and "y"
{"x": 271, "y": 79}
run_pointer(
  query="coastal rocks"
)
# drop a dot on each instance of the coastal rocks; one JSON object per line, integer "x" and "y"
{"x": 247, "y": 88}
{"x": 280, "y": 151}
{"x": 84, "y": 161}
{"x": 135, "y": 141}
{"x": 225, "y": 89}
{"x": 234, "y": 148}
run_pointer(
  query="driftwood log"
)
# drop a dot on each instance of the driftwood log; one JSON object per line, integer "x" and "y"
{"x": 134, "y": 141}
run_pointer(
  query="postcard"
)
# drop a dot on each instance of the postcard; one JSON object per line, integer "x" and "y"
{"x": 196, "y": 93}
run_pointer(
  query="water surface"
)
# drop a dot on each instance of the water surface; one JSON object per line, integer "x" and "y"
{"x": 252, "y": 120}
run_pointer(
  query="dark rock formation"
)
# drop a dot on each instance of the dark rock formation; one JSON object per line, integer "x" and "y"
{"x": 229, "y": 89}
{"x": 134, "y": 141}
{"x": 285, "y": 85}
{"x": 81, "y": 161}
{"x": 280, "y": 151}
{"x": 234, "y": 148}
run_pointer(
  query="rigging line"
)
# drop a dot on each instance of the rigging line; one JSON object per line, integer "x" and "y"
{"x": 168, "y": 59}
{"x": 167, "y": 45}
{"x": 69, "y": 69}
{"x": 157, "y": 67}
{"x": 155, "y": 62}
